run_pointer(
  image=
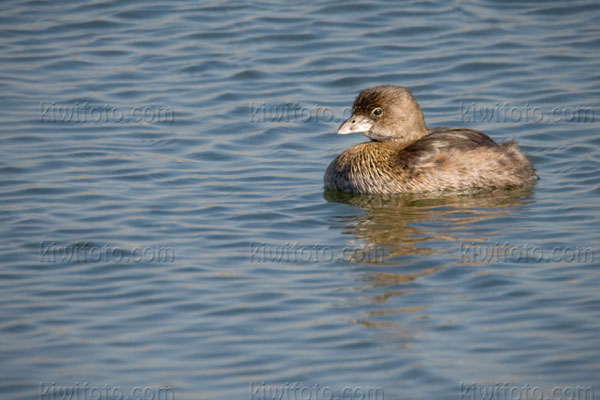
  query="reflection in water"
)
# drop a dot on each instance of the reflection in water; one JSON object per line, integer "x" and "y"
{"x": 421, "y": 234}
{"x": 400, "y": 223}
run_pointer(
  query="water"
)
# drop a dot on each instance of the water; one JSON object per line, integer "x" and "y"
{"x": 273, "y": 283}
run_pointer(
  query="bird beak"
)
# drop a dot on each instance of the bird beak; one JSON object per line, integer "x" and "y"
{"x": 354, "y": 124}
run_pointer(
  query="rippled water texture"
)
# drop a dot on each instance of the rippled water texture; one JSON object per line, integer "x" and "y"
{"x": 131, "y": 128}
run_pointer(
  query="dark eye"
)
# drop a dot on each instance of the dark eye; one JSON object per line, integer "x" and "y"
{"x": 377, "y": 112}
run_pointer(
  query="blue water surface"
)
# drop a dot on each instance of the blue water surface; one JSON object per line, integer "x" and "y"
{"x": 164, "y": 223}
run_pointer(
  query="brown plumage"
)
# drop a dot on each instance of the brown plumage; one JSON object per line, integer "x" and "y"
{"x": 405, "y": 156}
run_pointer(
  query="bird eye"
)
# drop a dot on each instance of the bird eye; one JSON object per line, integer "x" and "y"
{"x": 377, "y": 112}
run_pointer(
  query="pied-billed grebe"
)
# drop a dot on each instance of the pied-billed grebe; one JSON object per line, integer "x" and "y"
{"x": 404, "y": 156}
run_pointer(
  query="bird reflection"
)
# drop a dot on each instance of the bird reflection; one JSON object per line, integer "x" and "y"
{"x": 402, "y": 223}
{"x": 420, "y": 235}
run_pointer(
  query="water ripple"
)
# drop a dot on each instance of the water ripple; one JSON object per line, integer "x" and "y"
{"x": 274, "y": 280}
